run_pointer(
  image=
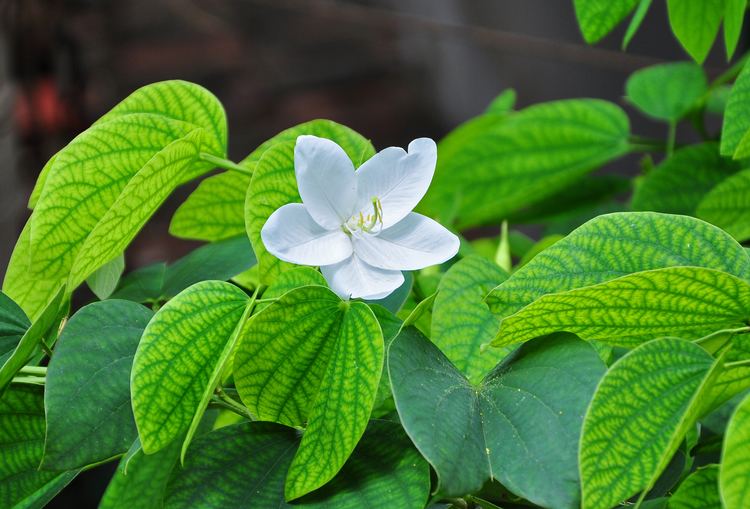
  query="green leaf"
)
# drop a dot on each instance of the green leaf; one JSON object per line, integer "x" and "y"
{"x": 30, "y": 340}
{"x": 520, "y": 425}
{"x": 22, "y": 484}
{"x": 245, "y": 465}
{"x": 679, "y": 183}
{"x": 667, "y": 91}
{"x": 87, "y": 396}
{"x": 215, "y": 210}
{"x": 461, "y": 322}
{"x": 597, "y": 18}
{"x": 104, "y": 280}
{"x": 179, "y": 359}
{"x": 700, "y": 490}
{"x": 734, "y": 474}
{"x": 640, "y": 413}
{"x": 684, "y": 301}
{"x": 288, "y": 281}
{"x": 635, "y": 22}
{"x": 303, "y": 359}
{"x": 142, "y": 285}
{"x": 496, "y": 164}
{"x": 503, "y": 103}
{"x": 736, "y": 118}
{"x": 695, "y": 23}
{"x": 13, "y": 325}
{"x": 734, "y": 16}
{"x": 728, "y": 206}
{"x": 594, "y": 253}
{"x": 733, "y": 379}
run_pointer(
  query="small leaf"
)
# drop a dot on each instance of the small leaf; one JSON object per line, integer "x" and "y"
{"x": 461, "y": 322}
{"x": 87, "y": 396}
{"x": 178, "y": 356}
{"x": 734, "y": 474}
{"x": 635, "y": 22}
{"x": 736, "y": 118}
{"x": 598, "y": 17}
{"x": 302, "y": 359}
{"x": 104, "y": 279}
{"x": 685, "y": 301}
{"x": 700, "y": 490}
{"x": 640, "y": 413}
{"x": 695, "y": 23}
{"x": 22, "y": 484}
{"x": 679, "y": 183}
{"x": 734, "y": 16}
{"x": 13, "y": 325}
{"x": 728, "y": 206}
{"x": 617, "y": 244}
{"x": 667, "y": 91}
{"x": 503, "y": 103}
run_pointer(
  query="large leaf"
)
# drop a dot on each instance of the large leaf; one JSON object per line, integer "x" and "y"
{"x": 728, "y": 206}
{"x": 90, "y": 181}
{"x": 617, "y": 244}
{"x": 87, "y": 396}
{"x": 311, "y": 357}
{"x": 734, "y": 476}
{"x": 597, "y": 18}
{"x": 520, "y": 425}
{"x": 22, "y": 484}
{"x": 679, "y": 183}
{"x": 667, "y": 91}
{"x": 245, "y": 465}
{"x": 179, "y": 360}
{"x": 461, "y": 322}
{"x": 640, "y": 413}
{"x": 13, "y": 325}
{"x": 685, "y": 301}
{"x": 695, "y": 23}
{"x": 510, "y": 161}
{"x": 736, "y": 118}
{"x": 700, "y": 490}
{"x": 215, "y": 210}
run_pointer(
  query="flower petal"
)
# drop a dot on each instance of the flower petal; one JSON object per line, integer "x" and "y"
{"x": 397, "y": 178}
{"x": 290, "y": 234}
{"x": 326, "y": 182}
{"x": 353, "y": 278}
{"x": 413, "y": 243}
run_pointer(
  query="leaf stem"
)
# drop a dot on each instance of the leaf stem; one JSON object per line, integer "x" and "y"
{"x": 226, "y": 164}
{"x": 711, "y": 336}
{"x": 730, "y": 73}
{"x": 223, "y": 399}
{"x": 33, "y": 370}
{"x": 737, "y": 364}
{"x": 34, "y": 380}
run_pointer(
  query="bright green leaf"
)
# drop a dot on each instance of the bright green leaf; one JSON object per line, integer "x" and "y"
{"x": 642, "y": 409}
{"x": 734, "y": 16}
{"x": 617, "y": 244}
{"x": 104, "y": 280}
{"x": 597, "y": 18}
{"x": 461, "y": 321}
{"x": 503, "y": 103}
{"x": 700, "y": 490}
{"x": 87, "y": 396}
{"x": 734, "y": 475}
{"x": 178, "y": 356}
{"x": 288, "y": 281}
{"x": 635, "y": 22}
{"x": 728, "y": 206}
{"x": 666, "y": 91}
{"x": 13, "y": 325}
{"x": 695, "y": 23}
{"x": 736, "y": 118}
{"x": 303, "y": 359}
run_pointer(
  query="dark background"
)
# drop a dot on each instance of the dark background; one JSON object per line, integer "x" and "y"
{"x": 391, "y": 69}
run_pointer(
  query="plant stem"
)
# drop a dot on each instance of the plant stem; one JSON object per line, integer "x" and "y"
{"x": 711, "y": 336}
{"x": 730, "y": 73}
{"x": 33, "y": 370}
{"x": 225, "y": 164}
{"x": 227, "y": 402}
{"x": 737, "y": 364}
{"x": 35, "y": 380}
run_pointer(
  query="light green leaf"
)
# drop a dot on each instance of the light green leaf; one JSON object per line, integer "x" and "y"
{"x": 29, "y": 342}
{"x": 288, "y": 281}
{"x": 635, "y": 22}
{"x": 642, "y": 409}
{"x": 497, "y": 164}
{"x": 215, "y": 210}
{"x": 679, "y": 183}
{"x": 736, "y": 118}
{"x": 178, "y": 358}
{"x": 104, "y": 279}
{"x": 728, "y": 206}
{"x": 734, "y": 474}
{"x": 521, "y": 425}
{"x": 503, "y": 103}
{"x": 13, "y": 325}
{"x": 734, "y": 16}
{"x": 301, "y": 360}
{"x": 461, "y": 322}
{"x": 684, "y": 301}
{"x": 617, "y": 244}
{"x": 597, "y": 18}
{"x": 695, "y": 23}
{"x": 733, "y": 379}
{"x": 245, "y": 465}
{"x": 22, "y": 484}
{"x": 666, "y": 91}
{"x": 700, "y": 490}
{"x": 87, "y": 396}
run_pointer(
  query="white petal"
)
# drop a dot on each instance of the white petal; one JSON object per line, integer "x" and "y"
{"x": 326, "y": 182}
{"x": 413, "y": 243}
{"x": 290, "y": 234}
{"x": 398, "y": 179}
{"x": 355, "y": 279}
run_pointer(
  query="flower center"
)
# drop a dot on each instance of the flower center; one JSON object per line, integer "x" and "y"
{"x": 370, "y": 223}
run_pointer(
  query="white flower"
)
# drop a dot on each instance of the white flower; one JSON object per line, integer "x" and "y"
{"x": 358, "y": 226}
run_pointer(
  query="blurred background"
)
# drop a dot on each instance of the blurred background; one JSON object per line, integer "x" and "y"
{"x": 391, "y": 69}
